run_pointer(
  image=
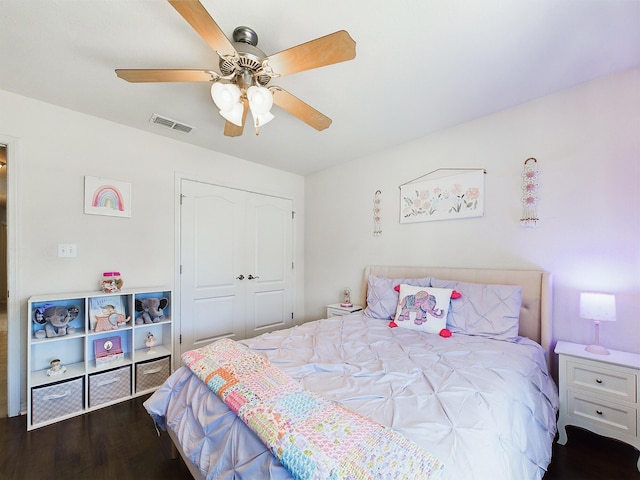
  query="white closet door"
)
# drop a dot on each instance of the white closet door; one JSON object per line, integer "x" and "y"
{"x": 269, "y": 261}
{"x": 236, "y": 254}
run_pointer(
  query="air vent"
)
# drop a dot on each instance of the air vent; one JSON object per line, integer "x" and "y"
{"x": 172, "y": 124}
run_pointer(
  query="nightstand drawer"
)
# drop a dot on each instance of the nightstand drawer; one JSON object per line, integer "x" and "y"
{"x": 612, "y": 383}
{"x": 607, "y": 415}
{"x": 335, "y": 310}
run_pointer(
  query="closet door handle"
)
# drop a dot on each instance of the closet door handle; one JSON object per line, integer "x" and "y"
{"x": 251, "y": 277}
{"x": 240, "y": 277}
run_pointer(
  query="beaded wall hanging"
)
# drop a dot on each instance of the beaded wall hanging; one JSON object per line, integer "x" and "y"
{"x": 377, "y": 220}
{"x": 530, "y": 194}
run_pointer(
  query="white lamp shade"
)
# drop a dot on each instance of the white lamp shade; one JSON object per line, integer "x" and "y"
{"x": 598, "y": 306}
{"x": 225, "y": 96}
{"x": 260, "y": 100}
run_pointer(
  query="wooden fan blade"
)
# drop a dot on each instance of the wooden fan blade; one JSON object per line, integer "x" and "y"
{"x": 334, "y": 48}
{"x": 233, "y": 130}
{"x": 298, "y": 108}
{"x": 132, "y": 75}
{"x": 200, "y": 20}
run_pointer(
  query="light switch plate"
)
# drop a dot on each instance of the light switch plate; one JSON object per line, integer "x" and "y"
{"x": 67, "y": 250}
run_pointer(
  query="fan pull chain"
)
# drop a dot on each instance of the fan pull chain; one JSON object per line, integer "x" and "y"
{"x": 377, "y": 220}
{"x": 530, "y": 194}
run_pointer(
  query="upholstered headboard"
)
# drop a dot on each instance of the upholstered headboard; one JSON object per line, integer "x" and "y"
{"x": 535, "y": 312}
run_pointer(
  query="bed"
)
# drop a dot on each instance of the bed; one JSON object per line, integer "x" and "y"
{"x": 481, "y": 401}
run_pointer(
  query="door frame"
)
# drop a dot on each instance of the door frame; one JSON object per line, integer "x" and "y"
{"x": 177, "y": 294}
{"x": 16, "y": 340}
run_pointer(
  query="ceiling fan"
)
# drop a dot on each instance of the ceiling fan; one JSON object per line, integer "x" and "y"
{"x": 245, "y": 71}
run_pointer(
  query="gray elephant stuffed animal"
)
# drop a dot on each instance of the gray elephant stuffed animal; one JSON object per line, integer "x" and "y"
{"x": 151, "y": 310}
{"x": 57, "y": 320}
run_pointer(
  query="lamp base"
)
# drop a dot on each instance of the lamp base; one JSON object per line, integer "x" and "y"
{"x": 597, "y": 349}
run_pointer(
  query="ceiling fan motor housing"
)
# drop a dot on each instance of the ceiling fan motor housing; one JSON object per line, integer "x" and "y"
{"x": 245, "y": 35}
{"x": 249, "y": 58}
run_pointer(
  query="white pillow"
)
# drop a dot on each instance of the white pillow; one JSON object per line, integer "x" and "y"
{"x": 423, "y": 308}
{"x": 485, "y": 310}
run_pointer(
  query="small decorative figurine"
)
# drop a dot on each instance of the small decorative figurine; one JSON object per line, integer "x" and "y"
{"x": 150, "y": 342}
{"x": 56, "y": 368}
{"x": 346, "y": 298}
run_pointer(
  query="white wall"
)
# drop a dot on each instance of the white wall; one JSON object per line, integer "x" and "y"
{"x": 585, "y": 139}
{"x": 587, "y": 143}
{"x": 57, "y": 148}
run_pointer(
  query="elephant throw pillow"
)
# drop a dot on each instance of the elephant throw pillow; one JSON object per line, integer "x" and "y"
{"x": 423, "y": 308}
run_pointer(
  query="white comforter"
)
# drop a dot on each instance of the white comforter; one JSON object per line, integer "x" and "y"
{"x": 485, "y": 408}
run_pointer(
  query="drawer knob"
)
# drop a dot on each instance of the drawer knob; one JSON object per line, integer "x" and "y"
{"x": 598, "y": 380}
{"x": 599, "y": 412}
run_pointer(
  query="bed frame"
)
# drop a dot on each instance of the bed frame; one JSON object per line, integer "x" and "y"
{"x": 535, "y": 312}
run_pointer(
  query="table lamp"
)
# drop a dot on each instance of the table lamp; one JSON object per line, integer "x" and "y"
{"x": 598, "y": 307}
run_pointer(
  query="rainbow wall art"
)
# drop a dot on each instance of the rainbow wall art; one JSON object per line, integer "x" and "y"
{"x": 107, "y": 197}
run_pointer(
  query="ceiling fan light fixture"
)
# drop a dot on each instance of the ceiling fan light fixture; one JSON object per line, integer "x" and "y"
{"x": 260, "y": 100}
{"x": 225, "y": 95}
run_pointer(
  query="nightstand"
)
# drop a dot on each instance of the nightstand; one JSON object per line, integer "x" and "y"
{"x": 600, "y": 393}
{"x": 335, "y": 310}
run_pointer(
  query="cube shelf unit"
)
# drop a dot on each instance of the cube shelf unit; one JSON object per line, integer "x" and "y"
{"x": 84, "y": 385}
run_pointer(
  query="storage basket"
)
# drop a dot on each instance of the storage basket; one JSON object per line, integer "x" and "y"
{"x": 56, "y": 400}
{"x": 152, "y": 374}
{"x": 105, "y": 387}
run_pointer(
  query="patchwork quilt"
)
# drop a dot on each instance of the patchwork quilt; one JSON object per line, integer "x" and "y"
{"x": 314, "y": 438}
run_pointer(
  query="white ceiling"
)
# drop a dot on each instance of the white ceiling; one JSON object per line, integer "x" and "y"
{"x": 421, "y": 65}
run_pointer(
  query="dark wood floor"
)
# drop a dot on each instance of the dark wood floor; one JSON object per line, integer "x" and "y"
{"x": 120, "y": 442}
{"x": 588, "y": 456}
{"x": 113, "y": 443}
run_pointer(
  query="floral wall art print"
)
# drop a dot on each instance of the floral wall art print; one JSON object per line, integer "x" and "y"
{"x": 107, "y": 197}
{"x": 447, "y": 194}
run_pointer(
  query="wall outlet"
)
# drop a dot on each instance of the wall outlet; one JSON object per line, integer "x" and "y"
{"x": 67, "y": 250}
